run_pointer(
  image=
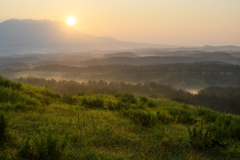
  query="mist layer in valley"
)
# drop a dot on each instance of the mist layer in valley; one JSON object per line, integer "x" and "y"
{"x": 51, "y": 49}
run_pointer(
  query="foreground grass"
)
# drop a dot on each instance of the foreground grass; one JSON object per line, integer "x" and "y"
{"x": 41, "y": 124}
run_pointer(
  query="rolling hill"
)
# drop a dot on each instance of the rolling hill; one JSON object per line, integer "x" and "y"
{"x": 120, "y": 54}
{"x": 37, "y": 123}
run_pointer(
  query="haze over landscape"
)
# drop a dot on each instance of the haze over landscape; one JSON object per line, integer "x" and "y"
{"x": 184, "y": 22}
{"x": 132, "y": 79}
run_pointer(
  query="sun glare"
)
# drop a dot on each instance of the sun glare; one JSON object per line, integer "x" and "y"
{"x": 71, "y": 20}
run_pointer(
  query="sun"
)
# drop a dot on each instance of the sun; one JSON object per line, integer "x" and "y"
{"x": 71, "y": 20}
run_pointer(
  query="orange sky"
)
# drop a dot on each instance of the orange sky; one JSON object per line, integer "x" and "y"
{"x": 177, "y": 22}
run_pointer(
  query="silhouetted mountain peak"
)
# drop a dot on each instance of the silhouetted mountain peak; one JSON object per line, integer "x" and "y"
{"x": 27, "y": 35}
{"x": 42, "y": 33}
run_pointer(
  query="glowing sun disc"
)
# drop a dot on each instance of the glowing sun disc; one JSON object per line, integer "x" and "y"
{"x": 71, "y": 20}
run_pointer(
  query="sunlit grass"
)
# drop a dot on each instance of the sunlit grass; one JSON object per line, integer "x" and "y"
{"x": 130, "y": 130}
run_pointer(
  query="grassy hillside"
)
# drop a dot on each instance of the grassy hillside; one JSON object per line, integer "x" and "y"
{"x": 37, "y": 123}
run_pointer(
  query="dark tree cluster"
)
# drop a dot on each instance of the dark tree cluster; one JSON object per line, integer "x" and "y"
{"x": 223, "y": 99}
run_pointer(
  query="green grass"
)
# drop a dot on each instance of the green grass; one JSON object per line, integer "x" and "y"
{"x": 41, "y": 124}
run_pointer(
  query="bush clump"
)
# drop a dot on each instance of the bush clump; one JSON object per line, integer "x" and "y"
{"x": 207, "y": 115}
{"x": 19, "y": 106}
{"x": 214, "y": 136}
{"x": 43, "y": 146}
{"x": 117, "y": 95}
{"x": 7, "y": 95}
{"x": 119, "y": 105}
{"x": 3, "y": 126}
{"x": 10, "y": 84}
{"x": 81, "y": 93}
{"x": 111, "y": 106}
{"x": 93, "y": 102}
{"x": 151, "y": 104}
{"x": 164, "y": 117}
{"x": 126, "y": 98}
{"x": 234, "y": 128}
{"x": 181, "y": 115}
{"x": 69, "y": 99}
{"x": 143, "y": 99}
{"x": 144, "y": 117}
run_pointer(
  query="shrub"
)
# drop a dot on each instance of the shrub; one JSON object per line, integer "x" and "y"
{"x": 3, "y": 126}
{"x": 10, "y": 84}
{"x": 182, "y": 115}
{"x": 46, "y": 100}
{"x": 182, "y": 100}
{"x": 81, "y": 93}
{"x": 164, "y": 117}
{"x": 151, "y": 104}
{"x": 50, "y": 93}
{"x": 128, "y": 98}
{"x": 20, "y": 106}
{"x": 93, "y": 102}
{"x": 218, "y": 135}
{"x": 5, "y": 106}
{"x": 143, "y": 99}
{"x": 185, "y": 106}
{"x": 140, "y": 105}
{"x": 84, "y": 101}
{"x": 207, "y": 115}
{"x": 69, "y": 99}
{"x": 153, "y": 96}
{"x": 91, "y": 156}
{"x": 117, "y": 95}
{"x": 214, "y": 136}
{"x": 121, "y": 105}
{"x": 144, "y": 117}
{"x": 111, "y": 106}
{"x": 199, "y": 139}
{"x": 26, "y": 150}
{"x": 31, "y": 101}
{"x": 186, "y": 118}
{"x": 118, "y": 105}
{"x": 7, "y": 95}
{"x": 234, "y": 128}
{"x": 97, "y": 102}
{"x": 48, "y": 149}
{"x": 43, "y": 146}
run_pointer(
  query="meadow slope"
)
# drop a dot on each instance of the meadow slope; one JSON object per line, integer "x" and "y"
{"x": 37, "y": 123}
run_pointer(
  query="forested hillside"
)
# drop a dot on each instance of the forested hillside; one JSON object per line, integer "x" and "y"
{"x": 222, "y": 99}
{"x": 192, "y": 76}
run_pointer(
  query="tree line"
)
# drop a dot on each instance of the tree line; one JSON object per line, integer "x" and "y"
{"x": 223, "y": 99}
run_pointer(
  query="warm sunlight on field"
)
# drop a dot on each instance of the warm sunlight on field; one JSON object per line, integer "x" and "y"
{"x": 123, "y": 80}
{"x": 71, "y": 20}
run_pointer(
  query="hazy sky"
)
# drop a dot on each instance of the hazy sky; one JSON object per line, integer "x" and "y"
{"x": 177, "y": 22}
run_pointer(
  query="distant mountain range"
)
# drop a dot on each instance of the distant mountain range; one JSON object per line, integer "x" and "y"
{"x": 37, "y": 36}
{"x": 139, "y": 60}
{"x": 11, "y": 60}
{"x": 120, "y": 54}
{"x": 45, "y": 36}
